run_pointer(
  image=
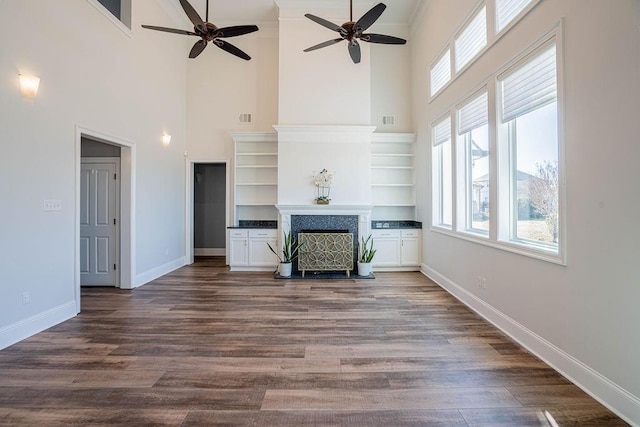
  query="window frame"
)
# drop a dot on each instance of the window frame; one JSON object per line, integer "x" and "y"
{"x": 437, "y": 175}
{"x": 126, "y": 9}
{"x": 476, "y": 11}
{"x": 493, "y": 36}
{"x": 500, "y": 206}
{"x": 464, "y": 176}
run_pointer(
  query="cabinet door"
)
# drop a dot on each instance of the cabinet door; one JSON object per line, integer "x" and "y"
{"x": 388, "y": 252}
{"x": 410, "y": 251}
{"x": 238, "y": 252}
{"x": 259, "y": 253}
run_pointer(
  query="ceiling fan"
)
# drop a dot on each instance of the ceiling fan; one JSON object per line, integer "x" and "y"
{"x": 208, "y": 32}
{"x": 352, "y": 31}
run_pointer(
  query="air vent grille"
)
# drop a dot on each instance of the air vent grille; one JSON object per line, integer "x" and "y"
{"x": 245, "y": 118}
{"x": 389, "y": 120}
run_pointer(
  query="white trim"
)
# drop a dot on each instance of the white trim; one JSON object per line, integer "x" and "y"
{"x": 209, "y": 251}
{"x": 127, "y": 207}
{"x": 25, "y": 328}
{"x": 154, "y": 273}
{"x": 190, "y": 164}
{"x": 118, "y": 23}
{"x": 620, "y": 401}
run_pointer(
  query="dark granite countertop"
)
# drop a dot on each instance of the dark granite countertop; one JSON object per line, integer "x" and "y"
{"x": 384, "y": 224}
{"x": 255, "y": 224}
{"x": 375, "y": 225}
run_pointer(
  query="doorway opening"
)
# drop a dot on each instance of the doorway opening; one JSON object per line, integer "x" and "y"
{"x": 98, "y": 157}
{"x": 207, "y": 209}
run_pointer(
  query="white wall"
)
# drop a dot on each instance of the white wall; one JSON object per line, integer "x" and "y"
{"x": 95, "y": 76}
{"x": 391, "y": 81}
{"x": 321, "y": 87}
{"x": 343, "y": 150}
{"x": 584, "y": 317}
{"x": 221, "y": 86}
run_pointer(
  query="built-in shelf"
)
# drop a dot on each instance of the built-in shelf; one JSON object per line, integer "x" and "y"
{"x": 393, "y": 176}
{"x": 255, "y": 176}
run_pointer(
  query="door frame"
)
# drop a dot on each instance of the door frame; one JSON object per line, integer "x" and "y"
{"x": 113, "y": 161}
{"x": 126, "y": 236}
{"x": 190, "y": 169}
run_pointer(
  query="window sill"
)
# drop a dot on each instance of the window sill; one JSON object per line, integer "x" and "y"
{"x": 524, "y": 249}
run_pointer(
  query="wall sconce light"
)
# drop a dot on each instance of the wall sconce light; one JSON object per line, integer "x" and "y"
{"x": 29, "y": 85}
{"x": 166, "y": 139}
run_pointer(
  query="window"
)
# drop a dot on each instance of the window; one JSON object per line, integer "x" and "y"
{"x": 441, "y": 72}
{"x": 442, "y": 158}
{"x": 529, "y": 133}
{"x": 473, "y": 140}
{"x": 471, "y": 40}
{"x": 507, "y": 10}
{"x": 117, "y": 11}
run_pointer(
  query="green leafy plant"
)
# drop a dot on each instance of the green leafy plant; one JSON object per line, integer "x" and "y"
{"x": 289, "y": 248}
{"x": 365, "y": 250}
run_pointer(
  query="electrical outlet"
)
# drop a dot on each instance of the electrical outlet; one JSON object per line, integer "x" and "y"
{"x": 26, "y": 298}
{"x": 480, "y": 282}
{"x": 484, "y": 283}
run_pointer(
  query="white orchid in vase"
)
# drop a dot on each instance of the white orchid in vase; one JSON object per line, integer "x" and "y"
{"x": 323, "y": 180}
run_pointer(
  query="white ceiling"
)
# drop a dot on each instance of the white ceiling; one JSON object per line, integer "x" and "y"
{"x": 398, "y": 12}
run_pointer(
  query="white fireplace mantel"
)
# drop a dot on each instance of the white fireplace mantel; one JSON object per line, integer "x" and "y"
{"x": 363, "y": 212}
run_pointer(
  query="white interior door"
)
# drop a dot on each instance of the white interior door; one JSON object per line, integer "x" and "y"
{"x": 99, "y": 221}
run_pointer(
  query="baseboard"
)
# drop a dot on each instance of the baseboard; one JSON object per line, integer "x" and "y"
{"x": 159, "y": 271}
{"x": 18, "y": 331}
{"x": 209, "y": 251}
{"x": 620, "y": 401}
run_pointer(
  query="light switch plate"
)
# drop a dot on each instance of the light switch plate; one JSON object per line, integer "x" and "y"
{"x": 52, "y": 205}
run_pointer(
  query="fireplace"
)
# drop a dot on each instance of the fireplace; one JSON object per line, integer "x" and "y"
{"x": 325, "y": 250}
{"x": 352, "y": 220}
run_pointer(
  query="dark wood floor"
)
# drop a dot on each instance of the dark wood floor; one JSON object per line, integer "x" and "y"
{"x": 203, "y": 346}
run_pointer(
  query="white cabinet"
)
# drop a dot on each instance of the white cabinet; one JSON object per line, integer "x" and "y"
{"x": 248, "y": 249}
{"x": 387, "y": 245}
{"x": 397, "y": 249}
{"x": 410, "y": 248}
{"x": 238, "y": 248}
{"x": 259, "y": 253}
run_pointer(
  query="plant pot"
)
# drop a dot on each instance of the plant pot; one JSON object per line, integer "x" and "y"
{"x": 322, "y": 202}
{"x": 364, "y": 268}
{"x": 284, "y": 269}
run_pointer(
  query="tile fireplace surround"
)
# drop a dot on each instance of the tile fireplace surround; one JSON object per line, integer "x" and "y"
{"x": 355, "y": 219}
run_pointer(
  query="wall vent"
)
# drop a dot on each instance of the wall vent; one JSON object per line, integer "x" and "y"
{"x": 389, "y": 120}
{"x": 245, "y": 118}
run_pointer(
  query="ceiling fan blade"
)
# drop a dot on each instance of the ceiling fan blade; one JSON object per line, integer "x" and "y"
{"x": 370, "y": 17}
{"x": 354, "y": 52}
{"x": 197, "y": 48}
{"x": 321, "y": 45}
{"x": 169, "y": 30}
{"x": 237, "y": 30}
{"x": 325, "y": 23}
{"x": 382, "y": 39}
{"x": 231, "y": 49}
{"x": 191, "y": 13}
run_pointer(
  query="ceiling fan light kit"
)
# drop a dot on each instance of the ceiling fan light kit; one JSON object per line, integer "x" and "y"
{"x": 352, "y": 31}
{"x": 208, "y": 32}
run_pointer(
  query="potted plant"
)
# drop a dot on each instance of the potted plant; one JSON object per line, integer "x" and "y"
{"x": 289, "y": 253}
{"x": 365, "y": 256}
